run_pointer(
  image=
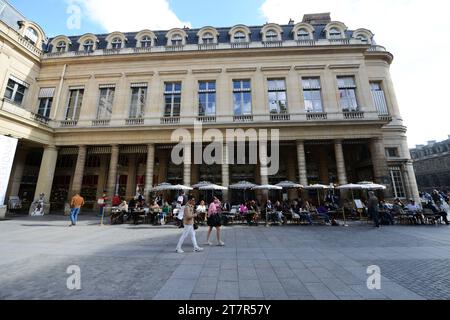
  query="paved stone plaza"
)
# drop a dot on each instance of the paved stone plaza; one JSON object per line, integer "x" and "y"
{"x": 289, "y": 262}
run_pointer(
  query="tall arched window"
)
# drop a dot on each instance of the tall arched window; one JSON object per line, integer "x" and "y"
{"x": 88, "y": 46}
{"x": 271, "y": 35}
{"x": 116, "y": 43}
{"x": 239, "y": 37}
{"x": 61, "y": 46}
{"x": 208, "y": 38}
{"x": 31, "y": 35}
{"x": 146, "y": 42}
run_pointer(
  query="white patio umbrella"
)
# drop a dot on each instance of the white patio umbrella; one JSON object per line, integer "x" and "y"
{"x": 267, "y": 187}
{"x": 201, "y": 184}
{"x": 371, "y": 186}
{"x": 180, "y": 187}
{"x": 212, "y": 187}
{"x": 243, "y": 185}
{"x": 289, "y": 185}
{"x": 350, "y": 187}
{"x": 318, "y": 187}
{"x": 163, "y": 187}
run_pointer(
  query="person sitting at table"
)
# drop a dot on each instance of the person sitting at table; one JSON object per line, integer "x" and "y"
{"x": 132, "y": 205}
{"x": 252, "y": 215}
{"x": 201, "y": 212}
{"x": 322, "y": 212}
{"x": 414, "y": 212}
{"x": 116, "y": 200}
{"x": 118, "y": 216}
{"x": 243, "y": 210}
{"x": 385, "y": 214}
{"x": 278, "y": 211}
{"x": 154, "y": 210}
{"x": 430, "y": 205}
{"x": 165, "y": 212}
{"x": 226, "y": 207}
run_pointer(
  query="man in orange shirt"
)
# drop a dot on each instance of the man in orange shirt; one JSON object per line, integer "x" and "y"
{"x": 76, "y": 204}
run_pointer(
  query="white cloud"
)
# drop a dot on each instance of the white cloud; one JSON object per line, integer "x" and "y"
{"x": 131, "y": 15}
{"x": 416, "y": 32}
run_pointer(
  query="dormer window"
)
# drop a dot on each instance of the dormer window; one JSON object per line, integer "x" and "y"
{"x": 61, "y": 46}
{"x": 363, "y": 39}
{"x": 31, "y": 35}
{"x": 335, "y": 34}
{"x": 88, "y": 46}
{"x": 239, "y": 37}
{"x": 271, "y": 35}
{"x": 177, "y": 40}
{"x": 303, "y": 35}
{"x": 116, "y": 43}
{"x": 146, "y": 42}
{"x": 208, "y": 38}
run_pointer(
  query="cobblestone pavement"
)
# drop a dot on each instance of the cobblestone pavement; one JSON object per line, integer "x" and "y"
{"x": 289, "y": 262}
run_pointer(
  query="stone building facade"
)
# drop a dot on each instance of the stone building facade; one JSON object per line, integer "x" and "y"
{"x": 96, "y": 112}
{"x": 432, "y": 165}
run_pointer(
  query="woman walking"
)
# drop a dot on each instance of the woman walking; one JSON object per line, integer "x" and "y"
{"x": 189, "y": 230}
{"x": 214, "y": 221}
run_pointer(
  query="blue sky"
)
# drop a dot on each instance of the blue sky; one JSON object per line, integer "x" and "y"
{"x": 52, "y": 16}
{"x": 415, "y": 31}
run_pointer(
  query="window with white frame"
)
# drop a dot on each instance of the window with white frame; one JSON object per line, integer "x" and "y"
{"x": 312, "y": 93}
{"x": 208, "y": 38}
{"x": 397, "y": 182}
{"x": 45, "y": 102}
{"x": 177, "y": 40}
{"x": 116, "y": 43}
{"x": 172, "y": 98}
{"x": 138, "y": 100}
{"x": 88, "y": 46}
{"x": 347, "y": 93}
{"x": 379, "y": 98}
{"x": 335, "y": 33}
{"x": 207, "y": 98}
{"x": 242, "y": 97}
{"x": 146, "y": 42}
{"x": 75, "y": 102}
{"x": 105, "y": 102}
{"x": 303, "y": 35}
{"x": 61, "y": 46}
{"x": 239, "y": 36}
{"x": 15, "y": 91}
{"x": 277, "y": 96}
{"x": 31, "y": 35}
{"x": 271, "y": 35}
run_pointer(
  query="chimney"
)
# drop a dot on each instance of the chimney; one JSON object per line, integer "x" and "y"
{"x": 317, "y": 18}
{"x": 419, "y": 146}
{"x": 430, "y": 143}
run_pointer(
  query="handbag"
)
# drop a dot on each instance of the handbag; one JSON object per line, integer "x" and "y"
{"x": 195, "y": 226}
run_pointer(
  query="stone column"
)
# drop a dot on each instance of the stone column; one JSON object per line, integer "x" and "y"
{"x": 102, "y": 175}
{"x": 226, "y": 171}
{"x": 411, "y": 186}
{"x": 187, "y": 162}
{"x": 78, "y": 175}
{"x": 112, "y": 175}
{"x": 46, "y": 173}
{"x": 17, "y": 172}
{"x": 291, "y": 175}
{"x": 163, "y": 166}
{"x": 380, "y": 168}
{"x": 195, "y": 173}
{"x": 340, "y": 163}
{"x": 149, "y": 173}
{"x": 131, "y": 175}
{"x": 263, "y": 164}
{"x": 302, "y": 163}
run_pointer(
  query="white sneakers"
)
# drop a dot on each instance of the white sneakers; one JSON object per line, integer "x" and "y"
{"x": 209, "y": 243}
{"x": 221, "y": 244}
{"x": 195, "y": 250}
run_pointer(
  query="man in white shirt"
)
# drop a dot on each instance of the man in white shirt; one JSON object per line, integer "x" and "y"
{"x": 180, "y": 214}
